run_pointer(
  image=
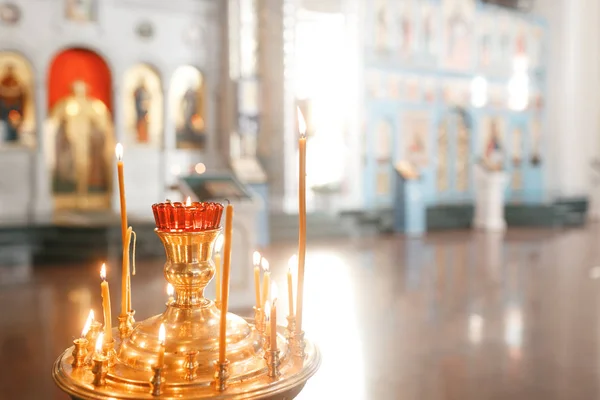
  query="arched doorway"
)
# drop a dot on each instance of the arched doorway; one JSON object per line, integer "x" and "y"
{"x": 80, "y": 137}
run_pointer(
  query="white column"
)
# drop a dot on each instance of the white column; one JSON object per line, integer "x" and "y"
{"x": 42, "y": 202}
{"x": 571, "y": 134}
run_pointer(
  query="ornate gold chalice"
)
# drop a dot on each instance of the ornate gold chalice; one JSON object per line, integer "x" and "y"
{"x": 190, "y": 369}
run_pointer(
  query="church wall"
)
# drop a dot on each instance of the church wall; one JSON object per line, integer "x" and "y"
{"x": 185, "y": 32}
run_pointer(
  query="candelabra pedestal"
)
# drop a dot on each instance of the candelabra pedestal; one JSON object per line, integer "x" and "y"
{"x": 190, "y": 350}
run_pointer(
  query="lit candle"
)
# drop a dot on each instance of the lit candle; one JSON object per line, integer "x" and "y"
{"x": 170, "y": 292}
{"x": 162, "y": 335}
{"x": 273, "y": 319}
{"x": 99, "y": 343}
{"x": 266, "y": 281}
{"x": 225, "y": 283}
{"x": 256, "y": 261}
{"x": 88, "y": 324}
{"x": 292, "y": 264}
{"x": 301, "y": 217}
{"x": 125, "y": 266}
{"x": 106, "y": 305}
{"x": 218, "y": 249}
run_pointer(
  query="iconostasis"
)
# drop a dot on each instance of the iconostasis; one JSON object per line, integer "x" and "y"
{"x": 448, "y": 84}
{"x": 68, "y": 98}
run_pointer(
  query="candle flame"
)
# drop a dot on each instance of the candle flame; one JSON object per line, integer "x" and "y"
{"x": 219, "y": 243}
{"x": 88, "y": 323}
{"x": 188, "y": 202}
{"x": 293, "y": 263}
{"x": 162, "y": 334}
{"x": 170, "y": 290}
{"x": 264, "y": 263}
{"x": 267, "y": 311}
{"x": 119, "y": 151}
{"x": 256, "y": 258}
{"x": 99, "y": 342}
{"x": 103, "y": 272}
{"x": 301, "y": 123}
{"x": 274, "y": 292}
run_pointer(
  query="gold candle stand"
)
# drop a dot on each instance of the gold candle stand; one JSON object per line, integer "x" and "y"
{"x": 192, "y": 324}
{"x": 126, "y": 324}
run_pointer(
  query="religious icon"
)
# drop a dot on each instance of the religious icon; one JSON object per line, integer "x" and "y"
{"x": 383, "y": 144}
{"x": 83, "y": 151}
{"x": 144, "y": 108}
{"x": 381, "y": 27}
{"x": 81, "y": 10}
{"x": 442, "y": 182}
{"x": 142, "y": 98}
{"x": 429, "y": 32}
{"x": 415, "y": 128}
{"x": 405, "y": 29}
{"x": 12, "y": 103}
{"x": 517, "y": 155}
{"x": 463, "y": 147}
{"x": 493, "y": 156}
{"x": 458, "y": 32}
{"x": 188, "y": 108}
{"x": 485, "y": 42}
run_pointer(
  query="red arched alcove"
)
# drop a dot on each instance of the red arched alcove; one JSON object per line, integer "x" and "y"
{"x": 79, "y": 64}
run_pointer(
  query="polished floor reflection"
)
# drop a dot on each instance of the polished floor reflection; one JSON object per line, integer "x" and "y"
{"x": 457, "y": 315}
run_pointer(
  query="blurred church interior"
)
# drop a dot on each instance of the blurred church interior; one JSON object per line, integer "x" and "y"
{"x": 453, "y": 179}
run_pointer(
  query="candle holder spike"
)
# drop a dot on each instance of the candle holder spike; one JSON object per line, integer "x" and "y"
{"x": 273, "y": 362}
{"x": 298, "y": 345}
{"x": 108, "y": 349}
{"x": 80, "y": 352}
{"x": 156, "y": 382}
{"x": 221, "y": 375}
{"x": 125, "y": 328}
{"x": 99, "y": 369}
{"x": 92, "y": 335}
{"x": 291, "y": 328}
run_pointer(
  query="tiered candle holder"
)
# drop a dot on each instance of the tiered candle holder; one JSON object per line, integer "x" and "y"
{"x": 191, "y": 369}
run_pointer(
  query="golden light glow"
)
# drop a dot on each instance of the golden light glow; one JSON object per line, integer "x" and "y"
{"x": 188, "y": 202}
{"x": 268, "y": 311}
{"x": 200, "y": 168}
{"x": 256, "y": 257}
{"x": 100, "y": 342}
{"x": 88, "y": 323}
{"x": 264, "y": 263}
{"x": 219, "y": 243}
{"x": 119, "y": 151}
{"x": 274, "y": 292}
{"x": 162, "y": 334}
{"x": 293, "y": 263}
{"x": 170, "y": 290}
{"x": 103, "y": 272}
{"x": 301, "y": 123}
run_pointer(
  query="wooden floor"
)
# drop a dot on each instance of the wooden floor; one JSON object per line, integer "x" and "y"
{"x": 457, "y": 315}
